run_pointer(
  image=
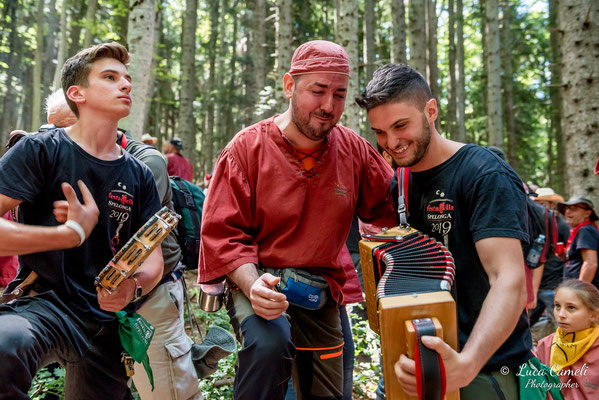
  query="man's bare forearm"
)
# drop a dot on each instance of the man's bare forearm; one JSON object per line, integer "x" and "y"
{"x": 494, "y": 323}
{"x": 244, "y": 276}
{"x": 20, "y": 239}
{"x": 587, "y": 271}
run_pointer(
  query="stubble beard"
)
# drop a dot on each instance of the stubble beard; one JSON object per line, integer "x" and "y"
{"x": 420, "y": 144}
{"x": 303, "y": 124}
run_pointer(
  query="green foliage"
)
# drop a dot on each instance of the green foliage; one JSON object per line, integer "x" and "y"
{"x": 48, "y": 385}
{"x": 367, "y": 352}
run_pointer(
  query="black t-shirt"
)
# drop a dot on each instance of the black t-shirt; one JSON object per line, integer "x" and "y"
{"x": 472, "y": 196}
{"x": 123, "y": 189}
{"x": 587, "y": 237}
{"x": 554, "y": 266}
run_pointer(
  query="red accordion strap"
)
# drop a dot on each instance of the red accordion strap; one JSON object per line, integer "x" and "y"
{"x": 430, "y": 371}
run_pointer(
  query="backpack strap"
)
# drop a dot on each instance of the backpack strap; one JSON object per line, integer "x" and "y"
{"x": 554, "y": 232}
{"x": 403, "y": 178}
{"x": 544, "y": 252}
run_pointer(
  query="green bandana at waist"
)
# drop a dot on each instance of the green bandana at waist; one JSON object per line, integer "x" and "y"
{"x": 136, "y": 334}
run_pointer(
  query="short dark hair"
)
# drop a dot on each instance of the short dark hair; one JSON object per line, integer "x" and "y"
{"x": 395, "y": 83}
{"x": 75, "y": 70}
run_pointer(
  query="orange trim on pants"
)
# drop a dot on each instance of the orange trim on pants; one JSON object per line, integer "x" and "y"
{"x": 331, "y": 355}
{"x": 319, "y": 348}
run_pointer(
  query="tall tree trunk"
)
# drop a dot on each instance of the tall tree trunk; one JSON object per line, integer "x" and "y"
{"x": 152, "y": 88}
{"x": 50, "y": 51}
{"x": 460, "y": 82}
{"x": 25, "y": 115}
{"x": 452, "y": 89}
{"x": 188, "y": 80}
{"x": 556, "y": 100}
{"x": 229, "y": 128}
{"x": 493, "y": 55}
{"x": 433, "y": 69}
{"x": 36, "y": 109}
{"x": 62, "y": 45}
{"x": 7, "y": 122}
{"x": 508, "y": 86}
{"x": 80, "y": 8}
{"x": 140, "y": 37}
{"x": 284, "y": 30}
{"x": 120, "y": 21}
{"x": 221, "y": 72}
{"x": 209, "y": 133}
{"x": 417, "y": 25}
{"x": 347, "y": 37}
{"x": 369, "y": 53}
{"x": 90, "y": 20}
{"x": 337, "y": 6}
{"x": 578, "y": 23}
{"x": 369, "y": 58}
{"x": 398, "y": 32}
{"x": 255, "y": 54}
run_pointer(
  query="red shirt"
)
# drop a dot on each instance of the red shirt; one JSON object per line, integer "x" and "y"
{"x": 264, "y": 208}
{"x": 9, "y": 264}
{"x": 179, "y": 166}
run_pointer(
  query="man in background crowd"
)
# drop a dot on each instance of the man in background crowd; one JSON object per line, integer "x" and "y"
{"x": 583, "y": 244}
{"x": 178, "y": 165}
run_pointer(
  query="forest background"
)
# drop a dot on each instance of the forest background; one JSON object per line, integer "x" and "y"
{"x": 519, "y": 75}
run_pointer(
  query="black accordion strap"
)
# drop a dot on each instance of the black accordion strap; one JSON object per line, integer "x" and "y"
{"x": 430, "y": 372}
{"x": 402, "y": 196}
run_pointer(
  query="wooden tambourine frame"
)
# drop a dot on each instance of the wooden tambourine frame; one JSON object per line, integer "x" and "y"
{"x": 137, "y": 249}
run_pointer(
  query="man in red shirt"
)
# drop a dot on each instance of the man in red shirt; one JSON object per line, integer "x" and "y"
{"x": 281, "y": 202}
{"x": 178, "y": 165}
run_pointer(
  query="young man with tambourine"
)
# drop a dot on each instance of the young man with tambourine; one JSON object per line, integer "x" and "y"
{"x": 62, "y": 316}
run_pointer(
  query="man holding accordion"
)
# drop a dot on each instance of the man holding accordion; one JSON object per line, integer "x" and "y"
{"x": 472, "y": 202}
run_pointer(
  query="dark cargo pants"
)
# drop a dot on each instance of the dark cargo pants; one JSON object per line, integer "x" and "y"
{"x": 35, "y": 331}
{"x": 266, "y": 362}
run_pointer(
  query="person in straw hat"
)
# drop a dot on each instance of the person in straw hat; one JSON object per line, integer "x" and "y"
{"x": 547, "y": 197}
{"x": 583, "y": 243}
{"x": 149, "y": 139}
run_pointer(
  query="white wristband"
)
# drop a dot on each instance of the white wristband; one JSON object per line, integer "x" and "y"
{"x": 77, "y": 228}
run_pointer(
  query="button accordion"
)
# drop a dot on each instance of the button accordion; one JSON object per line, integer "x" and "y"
{"x": 407, "y": 281}
{"x": 137, "y": 249}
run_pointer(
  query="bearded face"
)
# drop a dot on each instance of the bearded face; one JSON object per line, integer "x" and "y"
{"x": 317, "y": 103}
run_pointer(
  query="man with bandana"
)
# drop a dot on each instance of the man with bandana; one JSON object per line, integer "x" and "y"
{"x": 281, "y": 201}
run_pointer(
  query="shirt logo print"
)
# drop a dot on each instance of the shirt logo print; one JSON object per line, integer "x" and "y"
{"x": 340, "y": 190}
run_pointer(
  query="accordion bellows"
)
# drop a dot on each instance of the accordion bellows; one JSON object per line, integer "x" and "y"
{"x": 407, "y": 276}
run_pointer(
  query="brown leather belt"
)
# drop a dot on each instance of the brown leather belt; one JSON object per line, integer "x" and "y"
{"x": 20, "y": 290}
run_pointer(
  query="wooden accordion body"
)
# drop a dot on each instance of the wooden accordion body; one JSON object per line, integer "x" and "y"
{"x": 389, "y": 315}
{"x": 137, "y": 249}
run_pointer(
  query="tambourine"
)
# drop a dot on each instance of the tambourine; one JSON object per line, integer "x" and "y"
{"x": 137, "y": 249}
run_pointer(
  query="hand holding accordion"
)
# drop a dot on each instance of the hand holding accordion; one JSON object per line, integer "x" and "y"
{"x": 407, "y": 279}
{"x": 137, "y": 249}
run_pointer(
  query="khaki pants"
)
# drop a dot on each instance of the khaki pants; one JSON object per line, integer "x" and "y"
{"x": 170, "y": 350}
